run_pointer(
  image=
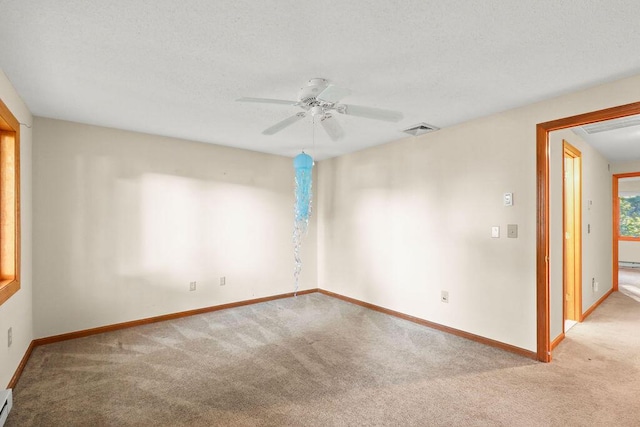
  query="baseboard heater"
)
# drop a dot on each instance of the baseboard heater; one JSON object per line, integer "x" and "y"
{"x": 5, "y": 404}
{"x": 629, "y": 264}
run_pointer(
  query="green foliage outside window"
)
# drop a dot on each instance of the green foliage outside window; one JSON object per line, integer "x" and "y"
{"x": 630, "y": 216}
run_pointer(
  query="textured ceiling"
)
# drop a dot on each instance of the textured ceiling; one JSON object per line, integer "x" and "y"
{"x": 175, "y": 68}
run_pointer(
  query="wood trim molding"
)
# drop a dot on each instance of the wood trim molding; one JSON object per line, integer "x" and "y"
{"x": 542, "y": 211}
{"x": 596, "y": 304}
{"x": 161, "y": 318}
{"x": 8, "y": 121}
{"x": 557, "y": 341}
{"x": 433, "y": 325}
{"x": 542, "y": 244}
{"x": 9, "y": 203}
{"x": 615, "y": 201}
{"x": 627, "y": 238}
{"x": 615, "y": 232}
{"x": 575, "y": 154}
{"x": 21, "y": 366}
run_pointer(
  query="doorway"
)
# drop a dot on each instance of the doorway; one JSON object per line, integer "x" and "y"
{"x": 572, "y": 230}
{"x": 542, "y": 212}
{"x": 626, "y": 233}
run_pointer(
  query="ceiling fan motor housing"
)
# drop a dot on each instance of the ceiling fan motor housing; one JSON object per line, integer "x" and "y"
{"x": 308, "y": 93}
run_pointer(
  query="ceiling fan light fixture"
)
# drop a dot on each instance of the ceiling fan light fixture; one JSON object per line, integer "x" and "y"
{"x": 319, "y": 98}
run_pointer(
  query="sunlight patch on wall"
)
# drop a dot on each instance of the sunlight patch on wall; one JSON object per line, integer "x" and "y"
{"x": 187, "y": 225}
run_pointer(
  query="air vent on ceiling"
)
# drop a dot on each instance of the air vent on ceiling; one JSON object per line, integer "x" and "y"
{"x": 420, "y": 129}
{"x": 623, "y": 122}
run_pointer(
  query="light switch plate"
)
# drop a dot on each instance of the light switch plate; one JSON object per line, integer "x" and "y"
{"x": 495, "y": 232}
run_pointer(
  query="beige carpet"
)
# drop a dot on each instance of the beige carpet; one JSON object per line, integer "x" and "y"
{"x": 318, "y": 361}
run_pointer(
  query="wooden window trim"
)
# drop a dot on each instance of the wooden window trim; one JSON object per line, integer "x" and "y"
{"x": 629, "y": 238}
{"x": 9, "y": 204}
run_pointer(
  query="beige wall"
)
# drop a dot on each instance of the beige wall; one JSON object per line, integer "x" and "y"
{"x": 629, "y": 184}
{"x": 597, "y": 257}
{"x": 628, "y": 251}
{"x": 124, "y": 221}
{"x": 16, "y": 313}
{"x": 403, "y": 221}
{"x": 625, "y": 167}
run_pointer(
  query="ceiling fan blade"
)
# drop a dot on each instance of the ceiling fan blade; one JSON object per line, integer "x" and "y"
{"x": 332, "y": 127}
{"x": 371, "y": 113}
{"x": 283, "y": 124}
{"x": 333, "y": 94}
{"x": 267, "y": 101}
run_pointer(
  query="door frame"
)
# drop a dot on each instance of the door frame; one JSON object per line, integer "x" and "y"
{"x": 542, "y": 211}
{"x": 616, "y": 222}
{"x": 575, "y": 154}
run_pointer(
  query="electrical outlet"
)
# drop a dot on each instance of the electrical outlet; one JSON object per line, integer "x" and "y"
{"x": 223, "y": 281}
{"x": 9, "y": 337}
{"x": 595, "y": 287}
{"x": 444, "y": 296}
{"x": 192, "y": 286}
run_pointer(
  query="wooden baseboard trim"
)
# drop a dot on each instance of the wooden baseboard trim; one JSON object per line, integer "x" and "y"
{"x": 595, "y": 305}
{"x": 432, "y": 325}
{"x": 178, "y": 315}
{"x": 557, "y": 341}
{"x": 23, "y": 363}
{"x": 162, "y": 318}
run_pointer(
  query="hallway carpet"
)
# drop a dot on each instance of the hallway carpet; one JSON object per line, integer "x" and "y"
{"x": 629, "y": 282}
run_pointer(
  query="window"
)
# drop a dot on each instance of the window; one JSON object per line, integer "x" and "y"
{"x": 9, "y": 204}
{"x": 629, "y": 216}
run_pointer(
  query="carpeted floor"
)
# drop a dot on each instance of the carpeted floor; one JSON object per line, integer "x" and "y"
{"x": 629, "y": 282}
{"x": 318, "y": 361}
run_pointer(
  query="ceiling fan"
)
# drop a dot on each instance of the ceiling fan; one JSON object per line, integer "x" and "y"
{"x": 321, "y": 99}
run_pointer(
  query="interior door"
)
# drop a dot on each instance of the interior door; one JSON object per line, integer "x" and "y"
{"x": 572, "y": 199}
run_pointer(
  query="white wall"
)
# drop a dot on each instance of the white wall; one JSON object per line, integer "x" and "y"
{"x": 403, "y": 221}
{"x": 631, "y": 184}
{"x": 597, "y": 256}
{"x": 628, "y": 251}
{"x": 124, "y": 221}
{"x": 16, "y": 313}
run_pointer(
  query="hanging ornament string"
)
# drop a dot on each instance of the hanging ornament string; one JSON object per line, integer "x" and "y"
{"x": 303, "y": 165}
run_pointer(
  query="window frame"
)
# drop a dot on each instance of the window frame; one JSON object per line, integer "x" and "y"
{"x": 617, "y": 220}
{"x": 9, "y": 204}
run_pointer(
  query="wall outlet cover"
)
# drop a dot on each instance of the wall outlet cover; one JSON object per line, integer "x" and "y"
{"x": 444, "y": 296}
